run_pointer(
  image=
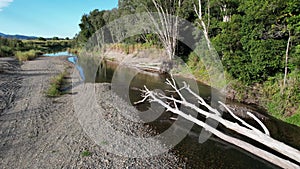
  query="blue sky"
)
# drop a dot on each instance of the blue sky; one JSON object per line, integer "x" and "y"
{"x": 47, "y": 18}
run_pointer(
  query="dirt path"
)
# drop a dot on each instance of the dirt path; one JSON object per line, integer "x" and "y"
{"x": 41, "y": 132}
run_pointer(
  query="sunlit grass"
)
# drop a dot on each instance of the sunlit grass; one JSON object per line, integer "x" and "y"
{"x": 28, "y": 55}
{"x": 55, "y": 85}
{"x": 294, "y": 119}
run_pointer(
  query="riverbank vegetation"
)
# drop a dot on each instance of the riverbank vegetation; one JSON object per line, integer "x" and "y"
{"x": 29, "y": 49}
{"x": 27, "y": 55}
{"x": 56, "y": 84}
{"x": 257, "y": 42}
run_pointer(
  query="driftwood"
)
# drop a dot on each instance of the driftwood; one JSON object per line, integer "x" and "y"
{"x": 245, "y": 129}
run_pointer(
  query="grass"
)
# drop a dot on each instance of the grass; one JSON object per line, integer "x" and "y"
{"x": 86, "y": 153}
{"x": 48, "y": 46}
{"x": 74, "y": 50}
{"x": 281, "y": 103}
{"x": 28, "y": 55}
{"x": 55, "y": 85}
{"x": 294, "y": 119}
{"x": 129, "y": 48}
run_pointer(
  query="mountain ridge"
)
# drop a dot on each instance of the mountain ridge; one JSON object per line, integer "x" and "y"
{"x": 20, "y": 37}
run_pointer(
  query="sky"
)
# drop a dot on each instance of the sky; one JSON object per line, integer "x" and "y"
{"x": 47, "y": 18}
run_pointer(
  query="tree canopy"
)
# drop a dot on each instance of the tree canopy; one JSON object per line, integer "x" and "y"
{"x": 250, "y": 36}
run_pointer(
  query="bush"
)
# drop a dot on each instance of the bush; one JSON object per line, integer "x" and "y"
{"x": 28, "y": 55}
{"x": 5, "y": 51}
{"x": 55, "y": 85}
{"x": 283, "y": 103}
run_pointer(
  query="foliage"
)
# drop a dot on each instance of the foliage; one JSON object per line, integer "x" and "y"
{"x": 55, "y": 85}
{"x": 198, "y": 68}
{"x": 5, "y": 51}
{"x": 252, "y": 45}
{"x": 8, "y": 46}
{"x": 86, "y": 153}
{"x": 282, "y": 103}
{"x": 42, "y": 39}
{"x": 49, "y": 46}
{"x": 29, "y": 49}
{"x": 250, "y": 37}
{"x": 129, "y": 48}
{"x": 294, "y": 119}
{"x": 28, "y": 55}
{"x": 55, "y": 38}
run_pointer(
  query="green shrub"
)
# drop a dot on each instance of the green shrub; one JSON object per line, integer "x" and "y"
{"x": 5, "y": 51}
{"x": 55, "y": 85}
{"x": 28, "y": 55}
{"x": 283, "y": 103}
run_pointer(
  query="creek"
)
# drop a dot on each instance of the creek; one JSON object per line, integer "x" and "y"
{"x": 214, "y": 153}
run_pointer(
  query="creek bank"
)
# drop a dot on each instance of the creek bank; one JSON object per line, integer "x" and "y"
{"x": 148, "y": 62}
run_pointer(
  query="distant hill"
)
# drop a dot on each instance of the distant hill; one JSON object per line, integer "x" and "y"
{"x": 21, "y": 37}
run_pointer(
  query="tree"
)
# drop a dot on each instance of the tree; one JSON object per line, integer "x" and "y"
{"x": 244, "y": 129}
{"x": 166, "y": 25}
{"x": 55, "y": 38}
{"x": 42, "y": 39}
{"x": 205, "y": 26}
{"x": 288, "y": 25}
{"x": 253, "y": 43}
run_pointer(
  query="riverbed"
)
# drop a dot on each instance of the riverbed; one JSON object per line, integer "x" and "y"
{"x": 213, "y": 153}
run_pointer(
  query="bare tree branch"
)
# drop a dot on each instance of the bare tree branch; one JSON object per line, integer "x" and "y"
{"x": 237, "y": 118}
{"x": 260, "y": 123}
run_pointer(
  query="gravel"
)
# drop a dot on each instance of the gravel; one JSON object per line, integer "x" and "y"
{"x": 41, "y": 132}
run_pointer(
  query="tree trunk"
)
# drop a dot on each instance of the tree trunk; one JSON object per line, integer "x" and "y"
{"x": 198, "y": 11}
{"x": 286, "y": 62}
{"x": 166, "y": 24}
{"x": 226, "y": 17}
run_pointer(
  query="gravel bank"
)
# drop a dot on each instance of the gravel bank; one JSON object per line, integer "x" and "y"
{"x": 41, "y": 132}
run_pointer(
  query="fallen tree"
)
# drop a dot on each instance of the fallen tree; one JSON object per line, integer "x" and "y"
{"x": 243, "y": 128}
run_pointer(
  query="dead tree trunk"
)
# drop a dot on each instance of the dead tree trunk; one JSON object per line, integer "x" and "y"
{"x": 166, "y": 25}
{"x": 245, "y": 129}
{"x": 205, "y": 27}
{"x": 286, "y": 62}
{"x": 226, "y": 16}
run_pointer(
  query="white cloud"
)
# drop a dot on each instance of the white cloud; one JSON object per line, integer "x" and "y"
{"x": 4, "y": 3}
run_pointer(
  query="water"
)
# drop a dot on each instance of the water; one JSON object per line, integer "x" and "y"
{"x": 214, "y": 153}
{"x": 59, "y": 54}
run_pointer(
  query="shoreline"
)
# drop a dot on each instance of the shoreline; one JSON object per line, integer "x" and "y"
{"x": 41, "y": 132}
{"x": 117, "y": 58}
